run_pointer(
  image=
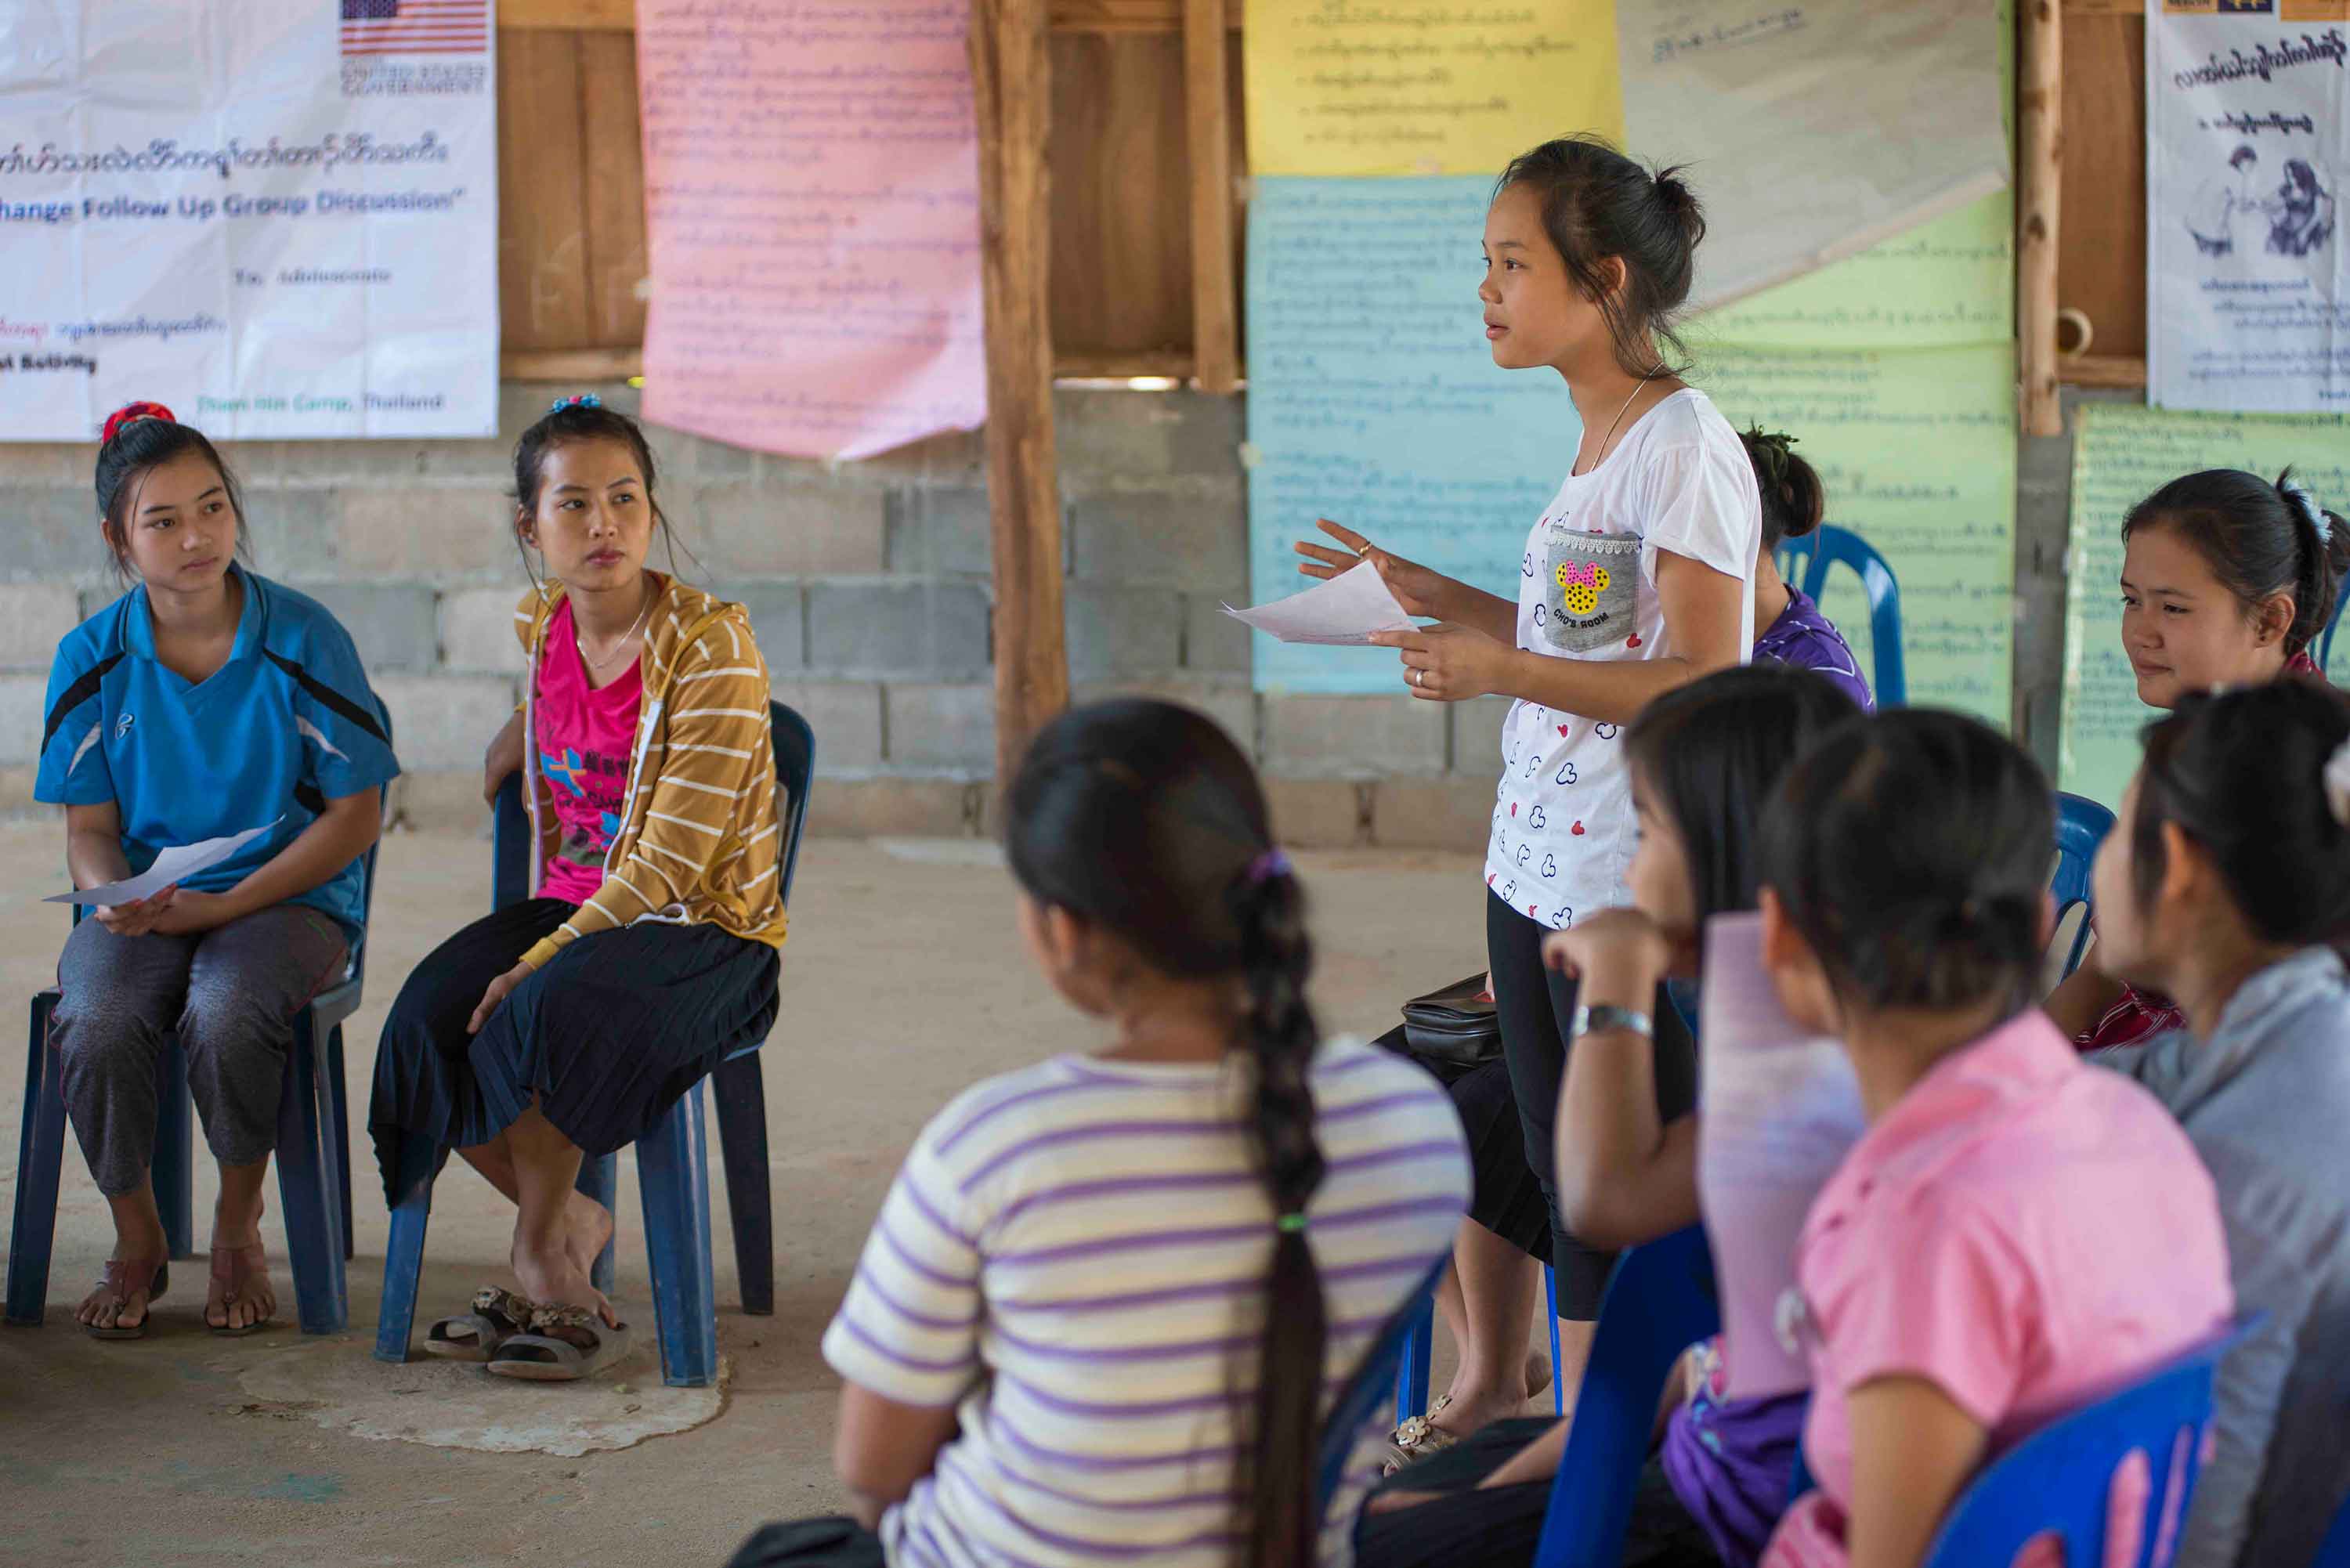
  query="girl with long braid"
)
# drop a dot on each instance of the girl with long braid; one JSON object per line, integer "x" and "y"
{"x": 1110, "y": 1300}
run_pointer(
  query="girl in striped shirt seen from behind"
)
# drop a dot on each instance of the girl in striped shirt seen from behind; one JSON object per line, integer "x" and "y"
{"x": 567, "y": 1023}
{"x": 1110, "y": 1301}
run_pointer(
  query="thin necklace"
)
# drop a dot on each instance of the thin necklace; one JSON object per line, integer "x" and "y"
{"x": 1642, "y": 386}
{"x": 596, "y": 665}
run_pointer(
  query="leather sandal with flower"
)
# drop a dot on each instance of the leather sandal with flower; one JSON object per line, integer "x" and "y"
{"x": 497, "y": 1317}
{"x": 1419, "y": 1438}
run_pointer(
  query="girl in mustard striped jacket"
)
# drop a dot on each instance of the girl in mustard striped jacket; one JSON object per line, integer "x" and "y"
{"x": 567, "y": 1025}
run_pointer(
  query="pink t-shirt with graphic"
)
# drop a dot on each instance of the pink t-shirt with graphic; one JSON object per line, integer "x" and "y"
{"x": 584, "y": 736}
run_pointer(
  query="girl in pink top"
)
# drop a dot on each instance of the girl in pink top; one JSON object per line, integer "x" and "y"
{"x": 2017, "y": 1233}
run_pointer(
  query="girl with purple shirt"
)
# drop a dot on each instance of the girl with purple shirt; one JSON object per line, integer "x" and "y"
{"x": 1796, "y": 632}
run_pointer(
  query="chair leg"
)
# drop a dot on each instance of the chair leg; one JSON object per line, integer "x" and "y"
{"x": 1558, "y": 1373}
{"x": 742, "y": 1096}
{"x": 173, "y": 1169}
{"x": 307, "y": 1173}
{"x": 673, "y": 1175}
{"x": 40, "y": 1158}
{"x": 403, "y": 1255}
{"x": 1412, "y": 1370}
{"x": 599, "y": 1178}
{"x": 342, "y": 1133}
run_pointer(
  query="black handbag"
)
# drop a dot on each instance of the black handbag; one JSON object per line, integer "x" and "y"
{"x": 1455, "y": 1027}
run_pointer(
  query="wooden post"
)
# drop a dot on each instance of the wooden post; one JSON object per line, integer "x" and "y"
{"x": 1011, "y": 86}
{"x": 1207, "y": 114}
{"x": 2040, "y": 113}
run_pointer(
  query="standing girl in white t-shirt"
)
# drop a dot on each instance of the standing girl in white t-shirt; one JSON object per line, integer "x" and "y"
{"x": 1638, "y": 578}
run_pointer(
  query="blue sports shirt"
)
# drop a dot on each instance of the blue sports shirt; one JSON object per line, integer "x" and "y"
{"x": 286, "y": 726}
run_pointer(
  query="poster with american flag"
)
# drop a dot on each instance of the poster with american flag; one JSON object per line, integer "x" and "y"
{"x": 280, "y": 217}
{"x": 415, "y": 27}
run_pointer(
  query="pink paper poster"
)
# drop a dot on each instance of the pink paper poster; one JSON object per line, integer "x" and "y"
{"x": 812, "y": 207}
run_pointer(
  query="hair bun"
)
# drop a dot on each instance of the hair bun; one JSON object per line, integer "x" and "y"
{"x": 130, "y": 414}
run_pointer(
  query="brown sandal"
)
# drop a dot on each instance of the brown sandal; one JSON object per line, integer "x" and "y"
{"x": 117, "y": 1282}
{"x": 233, "y": 1269}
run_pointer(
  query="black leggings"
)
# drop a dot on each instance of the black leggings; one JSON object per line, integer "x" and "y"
{"x": 1535, "y": 1005}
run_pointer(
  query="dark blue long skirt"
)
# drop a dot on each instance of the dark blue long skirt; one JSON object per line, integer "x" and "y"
{"x": 606, "y": 1034}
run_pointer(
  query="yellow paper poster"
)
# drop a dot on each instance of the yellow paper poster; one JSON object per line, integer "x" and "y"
{"x": 2122, "y": 454}
{"x": 1916, "y": 448}
{"x": 1422, "y": 87}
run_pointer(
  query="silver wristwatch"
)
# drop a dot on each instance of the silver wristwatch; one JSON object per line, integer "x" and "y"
{"x": 1587, "y": 1019}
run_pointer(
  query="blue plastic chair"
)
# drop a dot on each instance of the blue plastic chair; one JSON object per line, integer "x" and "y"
{"x": 672, "y": 1159}
{"x": 314, "y": 1175}
{"x": 1351, "y": 1416}
{"x": 2335, "y": 1552}
{"x": 2081, "y": 826}
{"x": 1660, "y": 1299}
{"x": 1829, "y": 546}
{"x": 2325, "y": 661}
{"x": 2056, "y": 1481}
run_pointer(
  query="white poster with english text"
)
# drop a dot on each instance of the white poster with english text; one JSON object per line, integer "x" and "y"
{"x": 278, "y": 217}
{"x": 2248, "y": 143}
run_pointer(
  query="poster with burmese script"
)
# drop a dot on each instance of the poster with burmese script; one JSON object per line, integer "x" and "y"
{"x": 277, "y": 216}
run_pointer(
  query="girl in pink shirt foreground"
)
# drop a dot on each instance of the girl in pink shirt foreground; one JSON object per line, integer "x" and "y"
{"x": 2017, "y": 1234}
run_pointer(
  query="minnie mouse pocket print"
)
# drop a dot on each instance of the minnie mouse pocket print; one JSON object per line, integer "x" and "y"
{"x": 1588, "y": 592}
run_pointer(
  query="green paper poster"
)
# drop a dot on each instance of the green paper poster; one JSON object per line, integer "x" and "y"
{"x": 2121, "y": 454}
{"x": 1916, "y": 448}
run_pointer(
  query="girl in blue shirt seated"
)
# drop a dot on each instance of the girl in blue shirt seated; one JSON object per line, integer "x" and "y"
{"x": 203, "y": 702}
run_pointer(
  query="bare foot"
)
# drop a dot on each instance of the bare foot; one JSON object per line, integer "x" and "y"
{"x": 553, "y": 1277}
{"x": 1471, "y": 1409}
{"x": 591, "y": 1230}
{"x": 126, "y": 1307}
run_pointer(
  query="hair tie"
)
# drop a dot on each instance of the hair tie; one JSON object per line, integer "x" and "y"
{"x": 1772, "y": 447}
{"x": 2336, "y": 779}
{"x": 1291, "y": 1224}
{"x": 130, "y": 414}
{"x": 2310, "y": 512}
{"x": 1264, "y": 867}
{"x": 575, "y": 400}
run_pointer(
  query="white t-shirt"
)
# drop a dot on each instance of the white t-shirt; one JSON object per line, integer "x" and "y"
{"x": 1680, "y": 481}
{"x": 1074, "y": 1257}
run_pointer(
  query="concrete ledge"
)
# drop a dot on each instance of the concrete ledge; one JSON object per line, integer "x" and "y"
{"x": 892, "y": 808}
{"x": 1454, "y": 813}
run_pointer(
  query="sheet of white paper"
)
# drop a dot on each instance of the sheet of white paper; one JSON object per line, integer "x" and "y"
{"x": 1779, "y": 1111}
{"x": 171, "y": 866}
{"x": 1344, "y": 610}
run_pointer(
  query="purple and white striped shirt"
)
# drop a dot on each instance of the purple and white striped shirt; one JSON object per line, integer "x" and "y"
{"x": 1075, "y": 1255}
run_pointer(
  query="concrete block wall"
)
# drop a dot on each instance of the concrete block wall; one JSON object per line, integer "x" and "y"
{"x": 868, "y": 585}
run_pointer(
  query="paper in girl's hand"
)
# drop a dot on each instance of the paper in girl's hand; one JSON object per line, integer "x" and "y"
{"x": 174, "y": 865}
{"x": 1343, "y": 611}
{"x": 1780, "y": 1110}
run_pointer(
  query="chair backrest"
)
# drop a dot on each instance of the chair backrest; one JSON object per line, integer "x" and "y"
{"x": 2325, "y": 647}
{"x": 2059, "y": 1480}
{"x": 795, "y": 745}
{"x": 2081, "y": 825}
{"x": 1359, "y": 1403}
{"x": 1660, "y": 1299}
{"x": 2336, "y": 1551}
{"x": 1826, "y": 546}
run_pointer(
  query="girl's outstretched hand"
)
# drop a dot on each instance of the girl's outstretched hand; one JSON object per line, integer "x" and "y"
{"x": 1619, "y": 955}
{"x": 1419, "y": 590}
{"x": 499, "y": 990}
{"x": 1449, "y": 663}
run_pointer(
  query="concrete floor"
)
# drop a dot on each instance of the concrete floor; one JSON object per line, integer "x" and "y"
{"x": 904, "y": 981}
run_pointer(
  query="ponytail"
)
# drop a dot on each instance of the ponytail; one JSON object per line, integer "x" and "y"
{"x": 2324, "y": 561}
{"x": 1277, "y": 1481}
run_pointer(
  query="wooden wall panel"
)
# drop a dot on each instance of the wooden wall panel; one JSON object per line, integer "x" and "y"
{"x": 2101, "y": 253}
{"x": 543, "y": 287}
{"x": 1121, "y": 265}
{"x": 613, "y": 188}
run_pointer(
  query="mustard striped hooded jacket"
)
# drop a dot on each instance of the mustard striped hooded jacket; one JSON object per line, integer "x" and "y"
{"x": 698, "y": 841}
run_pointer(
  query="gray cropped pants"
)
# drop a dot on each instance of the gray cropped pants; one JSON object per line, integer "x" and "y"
{"x": 230, "y": 994}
